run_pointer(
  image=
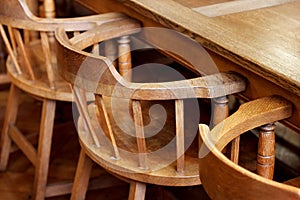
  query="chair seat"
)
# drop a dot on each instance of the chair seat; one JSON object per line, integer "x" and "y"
{"x": 32, "y": 68}
{"x": 40, "y": 86}
{"x": 160, "y": 161}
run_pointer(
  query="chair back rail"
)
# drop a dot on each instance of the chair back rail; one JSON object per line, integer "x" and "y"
{"x": 94, "y": 73}
{"x": 17, "y": 14}
{"x": 31, "y": 66}
{"x": 17, "y": 23}
{"x": 90, "y": 68}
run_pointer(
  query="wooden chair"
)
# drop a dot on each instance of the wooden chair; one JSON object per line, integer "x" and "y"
{"x": 119, "y": 137}
{"x": 31, "y": 67}
{"x": 224, "y": 179}
{"x": 4, "y": 79}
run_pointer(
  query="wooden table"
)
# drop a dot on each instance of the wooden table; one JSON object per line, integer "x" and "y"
{"x": 258, "y": 39}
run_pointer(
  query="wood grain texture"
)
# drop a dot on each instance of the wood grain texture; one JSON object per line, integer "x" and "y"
{"x": 10, "y": 117}
{"x": 152, "y": 149}
{"x": 180, "y": 149}
{"x": 137, "y": 191}
{"x": 17, "y": 181}
{"x": 195, "y": 3}
{"x": 237, "y": 43}
{"x": 32, "y": 68}
{"x": 266, "y": 151}
{"x": 260, "y": 44}
{"x": 44, "y": 148}
{"x": 81, "y": 180}
{"x": 237, "y": 6}
{"x": 250, "y": 115}
{"x": 220, "y": 176}
{"x": 114, "y": 84}
{"x": 124, "y": 57}
{"x": 140, "y": 134}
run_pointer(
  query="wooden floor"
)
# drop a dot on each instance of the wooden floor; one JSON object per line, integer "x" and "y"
{"x": 16, "y": 183}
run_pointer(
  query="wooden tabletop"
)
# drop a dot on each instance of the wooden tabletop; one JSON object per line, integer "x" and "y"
{"x": 262, "y": 38}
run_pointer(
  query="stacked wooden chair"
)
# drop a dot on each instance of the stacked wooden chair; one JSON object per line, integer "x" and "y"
{"x": 224, "y": 179}
{"x": 116, "y": 135}
{"x": 31, "y": 66}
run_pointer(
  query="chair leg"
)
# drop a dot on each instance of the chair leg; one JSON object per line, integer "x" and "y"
{"x": 44, "y": 147}
{"x": 137, "y": 191}
{"x": 10, "y": 118}
{"x": 82, "y": 177}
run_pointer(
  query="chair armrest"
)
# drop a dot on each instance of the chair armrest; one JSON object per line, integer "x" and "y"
{"x": 249, "y": 116}
{"x": 211, "y": 86}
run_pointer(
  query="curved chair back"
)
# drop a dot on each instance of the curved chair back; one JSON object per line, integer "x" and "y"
{"x": 17, "y": 22}
{"x": 222, "y": 178}
{"x": 31, "y": 66}
{"x": 129, "y": 153}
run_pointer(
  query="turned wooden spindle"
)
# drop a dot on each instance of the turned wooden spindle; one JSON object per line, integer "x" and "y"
{"x": 125, "y": 57}
{"x": 110, "y": 50}
{"x": 266, "y": 151}
{"x": 220, "y": 177}
{"x": 221, "y": 111}
{"x": 34, "y": 8}
{"x": 148, "y": 139}
{"x": 49, "y": 9}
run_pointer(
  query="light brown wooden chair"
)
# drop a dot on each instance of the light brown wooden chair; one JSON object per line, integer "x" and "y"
{"x": 4, "y": 79}
{"x": 31, "y": 66}
{"x": 224, "y": 179}
{"x": 123, "y": 138}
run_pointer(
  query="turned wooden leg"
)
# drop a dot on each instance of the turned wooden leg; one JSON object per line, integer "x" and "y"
{"x": 44, "y": 147}
{"x": 82, "y": 176}
{"x": 125, "y": 58}
{"x": 137, "y": 191}
{"x": 266, "y": 151}
{"x": 10, "y": 118}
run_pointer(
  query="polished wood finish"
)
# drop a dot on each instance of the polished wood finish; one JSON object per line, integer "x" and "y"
{"x": 137, "y": 190}
{"x": 266, "y": 151}
{"x": 264, "y": 52}
{"x": 223, "y": 178}
{"x": 124, "y": 57}
{"x": 231, "y": 7}
{"x": 16, "y": 181}
{"x": 31, "y": 67}
{"x": 82, "y": 177}
{"x": 127, "y": 153}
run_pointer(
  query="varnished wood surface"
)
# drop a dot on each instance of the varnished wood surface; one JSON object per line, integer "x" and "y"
{"x": 79, "y": 70}
{"x": 262, "y": 44}
{"x": 231, "y": 7}
{"x": 221, "y": 177}
{"x": 31, "y": 67}
{"x": 16, "y": 182}
{"x": 146, "y": 153}
{"x": 39, "y": 86}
